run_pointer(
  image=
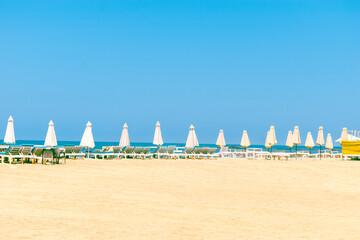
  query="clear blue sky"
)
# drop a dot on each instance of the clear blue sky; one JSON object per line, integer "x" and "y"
{"x": 216, "y": 64}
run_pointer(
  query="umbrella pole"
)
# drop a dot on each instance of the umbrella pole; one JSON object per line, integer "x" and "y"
{"x": 320, "y": 152}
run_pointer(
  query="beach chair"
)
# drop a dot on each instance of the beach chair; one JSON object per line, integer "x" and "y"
{"x": 13, "y": 152}
{"x": 25, "y": 153}
{"x": 210, "y": 152}
{"x": 145, "y": 152}
{"x": 59, "y": 153}
{"x": 105, "y": 152}
{"x": 3, "y": 151}
{"x": 3, "y": 148}
{"x": 69, "y": 151}
{"x": 159, "y": 152}
{"x": 197, "y": 152}
{"x": 48, "y": 156}
{"x": 116, "y": 151}
{"x": 169, "y": 152}
{"x": 77, "y": 152}
{"x": 127, "y": 151}
{"x": 37, "y": 154}
{"x": 186, "y": 153}
{"x": 137, "y": 151}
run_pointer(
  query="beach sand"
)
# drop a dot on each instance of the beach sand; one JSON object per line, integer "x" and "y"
{"x": 181, "y": 199}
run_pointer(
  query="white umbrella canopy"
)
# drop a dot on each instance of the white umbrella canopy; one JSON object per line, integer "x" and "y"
{"x": 10, "y": 133}
{"x": 87, "y": 139}
{"x": 157, "y": 136}
{"x": 221, "y": 139}
{"x": 124, "y": 140}
{"x": 309, "y": 143}
{"x": 245, "y": 141}
{"x": 273, "y": 140}
{"x": 320, "y": 138}
{"x": 50, "y": 140}
{"x": 192, "y": 139}
{"x": 289, "y": 140}
{"x": 329, "y": 143}
{"x": 296, "y": 136}
{"x": 268, "y": 141}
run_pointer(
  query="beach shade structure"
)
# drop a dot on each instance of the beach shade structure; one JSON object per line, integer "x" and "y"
{"x": 192, "y": 139}
{"x": 344, "y": 135}
{"x": 272, "y": 136}
{"x": 268, "y": 141}
{"x": 245, "y": 141}
{"x": 329, "y": 143}
{"x": 296, "y": 138}
{"x": 10, "y": 133}
{"x": 157, "y": 136}
{"x": 309, "y": 143}
{"x": 87, "y": 139}
{"x": 289, "y": 140}
{"x": 221, "y": 139}
{"x": 124, "y": 140}
{"x": 320, "y": 138}
{"x": 50, "y": 140}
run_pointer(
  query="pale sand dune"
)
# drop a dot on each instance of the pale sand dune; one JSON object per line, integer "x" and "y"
{"x": 181, "y": 199}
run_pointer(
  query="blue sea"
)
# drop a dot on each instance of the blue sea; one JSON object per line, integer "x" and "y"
{"x": 99, "y": 145}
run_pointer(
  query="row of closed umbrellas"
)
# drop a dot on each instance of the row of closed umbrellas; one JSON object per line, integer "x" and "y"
{"x": 87, "y": 139}
{"x": 293, "y": 138}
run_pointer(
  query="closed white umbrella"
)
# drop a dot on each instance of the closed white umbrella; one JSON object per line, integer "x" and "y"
{"x": 309, "y": 143}
{"x": 124, "y": 140}
{"x": 245, "y": 141}
{"x": 221, "y": 139}
{"x": 157, "y": 136}
{"x": 268, "y": 140}
{"x": 87, "y": 139}
{"x": 296, "y": 137}
{"x": 289, "y": 140}
{"x": 50, "y": 139}
{"x": 329, "y": 143}
{"x": 273, "y": 136}
{"x": 320, "y": 138}
{"x": 10, "y": 133}
{"x": 192, "y": 139}
{"x": 344, "y": 135}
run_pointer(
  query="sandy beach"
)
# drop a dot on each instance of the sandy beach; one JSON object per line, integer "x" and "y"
{"x": 181, "y": 199}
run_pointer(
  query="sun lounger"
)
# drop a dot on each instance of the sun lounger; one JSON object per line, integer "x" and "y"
{"x": 69, "y": 150}
{"x": 145, "y": 153}
{"x": 169, "y": 152}
{"x": 48, "y": 156}
{"x": 127, "y": 151}
{"x": 74, "y": 152}
{"x": 186, "y": 153}
{"x": 13, "y": 152}
{"x": 116, "y": 151}
{"x": 210, "y": 152}
{"x": 141, "y": 152}
{"x": 159, "y": 152}
{"x": 36, "y": 154}
{"x": 25, "y": 153}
